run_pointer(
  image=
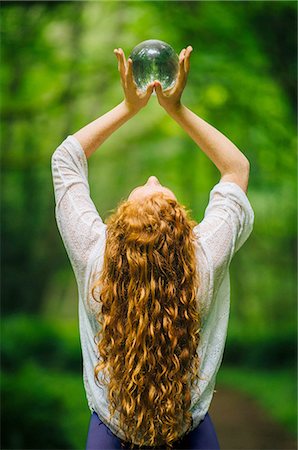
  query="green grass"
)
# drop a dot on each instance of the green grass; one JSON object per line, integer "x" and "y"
{"x": 274, "y": 390}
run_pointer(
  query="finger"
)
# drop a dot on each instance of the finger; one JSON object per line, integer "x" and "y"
{"x": 187, "y": 58}
{"x": 128, "y": 73}
{"x": 148, "y": 91}
{"x": 120, "y": 68}
{"x": 150, "y": 88}
{"x": 181, "y": 71}
{"x": 181, "y": 54}
{"x": 122, "y": 57}
{"x": 117, "y": 54}
{"x": 122, "y": 63}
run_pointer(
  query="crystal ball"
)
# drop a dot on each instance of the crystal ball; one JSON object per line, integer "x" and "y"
{"x": 154, "y": 60}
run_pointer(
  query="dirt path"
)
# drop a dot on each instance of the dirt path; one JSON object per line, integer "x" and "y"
{"x": 240, "y": 423}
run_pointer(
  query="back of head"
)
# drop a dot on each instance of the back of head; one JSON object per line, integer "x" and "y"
{"x": 149, "y": 320}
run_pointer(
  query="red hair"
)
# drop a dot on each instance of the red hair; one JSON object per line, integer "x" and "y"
{"x": 149, "y": 321}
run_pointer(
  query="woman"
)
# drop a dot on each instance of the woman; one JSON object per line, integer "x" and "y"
{"x": 153, "y": 284}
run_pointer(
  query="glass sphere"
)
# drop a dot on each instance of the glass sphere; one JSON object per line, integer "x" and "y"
{"x": 154, "y": 60}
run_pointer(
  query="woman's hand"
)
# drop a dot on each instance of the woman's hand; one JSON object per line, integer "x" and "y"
{"x": 134, "y": 99}
{"x": 170, "y": 98}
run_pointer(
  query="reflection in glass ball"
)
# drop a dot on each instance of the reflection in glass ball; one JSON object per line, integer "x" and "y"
{"x": 154, "y": 60}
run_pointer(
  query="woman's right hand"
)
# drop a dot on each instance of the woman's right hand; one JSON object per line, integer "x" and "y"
{"x": 170, "y": 99}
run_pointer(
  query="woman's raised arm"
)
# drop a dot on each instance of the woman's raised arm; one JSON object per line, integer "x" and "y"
{"x": 229, "y": 160}
{"x": 95, "y": 133}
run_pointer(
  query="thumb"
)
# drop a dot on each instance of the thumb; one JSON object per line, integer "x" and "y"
{"x": 149, "y": 90}
{"x": 158, "y": 88}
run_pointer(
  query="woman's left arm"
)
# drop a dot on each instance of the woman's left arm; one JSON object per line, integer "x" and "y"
{"x": 95, "y": 133}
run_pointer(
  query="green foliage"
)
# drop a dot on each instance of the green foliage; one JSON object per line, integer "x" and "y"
{"x": 40, "y": 341}
{"x": 269, "y": 350}
{"x": 42, "y": 393}
{"x": 43, "y": 409}
{"x": 33, "y": 415}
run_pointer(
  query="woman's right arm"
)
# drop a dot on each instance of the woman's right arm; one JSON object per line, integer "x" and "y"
{"x": 229, "y": 217}
{"x": 229, "y": 160}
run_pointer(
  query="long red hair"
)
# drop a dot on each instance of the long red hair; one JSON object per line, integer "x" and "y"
{"x": 149, "y": 319}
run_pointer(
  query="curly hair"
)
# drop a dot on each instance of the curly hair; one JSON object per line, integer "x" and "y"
{"x": 149, "y": 319}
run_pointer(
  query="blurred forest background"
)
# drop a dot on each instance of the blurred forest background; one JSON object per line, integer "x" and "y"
{"x": 58, "y": 72}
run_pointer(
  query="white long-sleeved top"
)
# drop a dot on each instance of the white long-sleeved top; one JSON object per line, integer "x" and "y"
{"x": 227, "y": 223}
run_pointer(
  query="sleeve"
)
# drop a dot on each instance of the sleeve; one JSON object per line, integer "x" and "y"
{"x": 227, "y": 224}
{"x": 78, "y": 221}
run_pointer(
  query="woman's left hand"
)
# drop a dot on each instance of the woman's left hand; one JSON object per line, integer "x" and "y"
{"x": 134, "y": 99}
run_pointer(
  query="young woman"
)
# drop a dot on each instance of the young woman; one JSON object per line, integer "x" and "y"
{"x": 153, "y": 284}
